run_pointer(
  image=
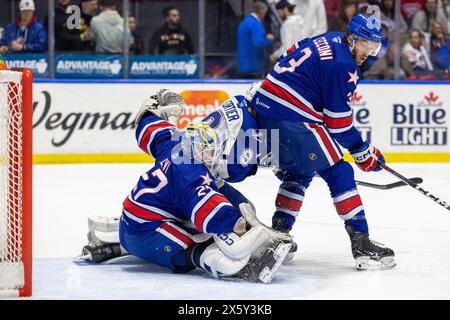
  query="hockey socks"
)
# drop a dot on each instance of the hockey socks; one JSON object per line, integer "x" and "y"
{"x": 358, "y": 222}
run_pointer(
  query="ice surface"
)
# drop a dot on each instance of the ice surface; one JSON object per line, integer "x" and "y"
{"x": 417, "y": 229}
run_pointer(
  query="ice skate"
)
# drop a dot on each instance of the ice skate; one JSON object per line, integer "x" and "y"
{"x": 369, "y": 254}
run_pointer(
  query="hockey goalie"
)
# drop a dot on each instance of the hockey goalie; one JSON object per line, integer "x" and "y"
{"x": 176, "y": 216}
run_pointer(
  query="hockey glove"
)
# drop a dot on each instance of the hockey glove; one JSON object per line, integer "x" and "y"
{"x": 165, "y": 104}
{"x": 366, "y": 157}
{"x": 173, "y": 104}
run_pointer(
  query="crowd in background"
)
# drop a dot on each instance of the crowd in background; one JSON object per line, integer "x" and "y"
{"x": 101, "y": 30}
{"x": 424, "y": 26}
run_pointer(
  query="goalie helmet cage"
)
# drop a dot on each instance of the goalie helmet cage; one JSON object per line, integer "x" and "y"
{"x": 15, "y": 182}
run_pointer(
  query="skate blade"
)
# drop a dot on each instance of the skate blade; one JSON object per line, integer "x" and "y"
{"x": 83, "y": 258}
{"x": 279, "y": 254}
{"x": 289, "y": 257}
{"x": 365, "y": 263}
{"x": 291, "y": 254}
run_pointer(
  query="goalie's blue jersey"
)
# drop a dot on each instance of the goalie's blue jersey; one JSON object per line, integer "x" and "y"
{"x": 175, "y": 189}
{"x": 313, "y": 82}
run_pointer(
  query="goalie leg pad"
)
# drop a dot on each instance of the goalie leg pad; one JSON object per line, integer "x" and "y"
{"x": 215, "y": 262}
{"x": 237, "y": 247}
{"x": 263, "y": 268}
{"x": 103, "y": 230}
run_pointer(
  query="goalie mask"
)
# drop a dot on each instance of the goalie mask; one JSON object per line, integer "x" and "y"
{"x": 201, "y": 143}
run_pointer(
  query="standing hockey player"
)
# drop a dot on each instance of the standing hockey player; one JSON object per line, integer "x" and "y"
{"x": 177, "y": 218}
{"x": 307, "y": 97}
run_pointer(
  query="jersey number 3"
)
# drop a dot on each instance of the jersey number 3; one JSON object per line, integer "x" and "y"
{"x": 294, "y": 63}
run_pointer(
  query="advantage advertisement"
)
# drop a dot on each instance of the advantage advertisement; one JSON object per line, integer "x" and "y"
{"x": 75, "y": 66}
{"x": 166, "y": 67}
{"x": 38, "y": 63}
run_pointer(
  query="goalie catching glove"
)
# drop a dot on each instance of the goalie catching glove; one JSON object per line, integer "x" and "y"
{"x": 366, "y": 157}
{"x": 165, "y": 104}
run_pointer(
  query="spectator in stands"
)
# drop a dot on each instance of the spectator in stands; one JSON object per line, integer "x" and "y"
{"x": 171, "y": 38}
{"x": 331, "y": 8}
{"x": 252, "y": 42}
{"x": 136, "y": 46}
{"x": 347, "y": 9}
{"x": 387, "y": 9}
{"x": 423, "y": 18}
{"x": 73, "y": 39}
{"x": 416, "y": 53}
{"x": 444, "y": 7}
{"x": 442, "y": 58}
{"x": 437, "y": 36}
{"x": 363, "y": 6}
{"x": 383, "y": 68}
{"x": 26, "y": 34}
{"x": 88, "y": 11}
{"x": 108, "y": 28}
{"x": 409, "y": 8}
{"x": 291, "y": 29}
{"x": 314, "y": 15}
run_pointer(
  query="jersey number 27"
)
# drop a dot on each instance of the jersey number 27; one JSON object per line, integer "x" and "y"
{"x": 159, "y": 174}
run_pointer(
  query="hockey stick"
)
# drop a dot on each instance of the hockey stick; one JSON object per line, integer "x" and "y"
{"x": 414, "y": 185}
{"x": 389, "y": 185}
{"x": 368, "y": 184}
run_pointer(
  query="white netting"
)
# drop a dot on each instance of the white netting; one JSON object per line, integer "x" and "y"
{"x": 11, "y": 267}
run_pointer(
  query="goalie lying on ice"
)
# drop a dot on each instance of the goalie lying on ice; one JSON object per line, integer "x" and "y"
{"x": 176, "y": 217}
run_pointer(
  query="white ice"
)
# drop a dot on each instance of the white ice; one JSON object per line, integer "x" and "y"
{"x": 416, "y": 228}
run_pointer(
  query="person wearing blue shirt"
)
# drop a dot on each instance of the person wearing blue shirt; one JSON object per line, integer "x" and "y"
{"x": 442, "y": 58}
{"x": 26, "y": 34}
{"x": 252, "y": 42}
{"x": 307, "y": 98}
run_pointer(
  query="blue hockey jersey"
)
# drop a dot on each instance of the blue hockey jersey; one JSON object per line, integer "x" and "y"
{"x": 313, "y": 82}
{"x": 243, "y": 144}
{"x": 175, "y": 189}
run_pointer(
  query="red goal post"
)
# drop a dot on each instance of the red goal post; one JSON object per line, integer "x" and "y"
{"x": 16, "y": 112}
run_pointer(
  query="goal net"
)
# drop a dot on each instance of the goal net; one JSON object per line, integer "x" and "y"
{"x": 15, "y": 183}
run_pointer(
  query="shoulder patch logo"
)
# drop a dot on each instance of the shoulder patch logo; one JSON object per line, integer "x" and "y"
{"x": 206, "y": 180}
{"x": 337, "y": 40}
